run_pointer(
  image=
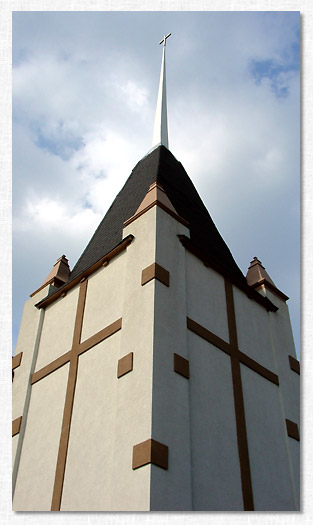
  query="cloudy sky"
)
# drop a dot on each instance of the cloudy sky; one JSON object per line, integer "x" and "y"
{"x": 84, "y": 94}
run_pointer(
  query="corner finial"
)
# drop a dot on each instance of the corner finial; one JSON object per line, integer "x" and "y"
{"x": 160, "y": 134}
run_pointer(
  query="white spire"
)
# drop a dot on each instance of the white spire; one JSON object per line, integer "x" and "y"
{"x": 160, "y": 135}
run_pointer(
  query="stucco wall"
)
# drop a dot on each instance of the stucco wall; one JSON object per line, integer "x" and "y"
{"x": 89, "y": 459}
{"x": 26, "y": 344}
{"x": 253, "y": 330}
{"x": 58, "y": 328}
{"x": 35, "y": 480}
{"x": 104, "y": 297}
{"x": 215, "y": 462}
{"x": 266, "y": 430}
{"x": 171, "y": 489}
{"x": 206, "y": 297}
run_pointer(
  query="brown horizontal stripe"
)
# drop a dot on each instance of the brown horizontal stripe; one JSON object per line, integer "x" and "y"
{"x": 16, "y": 360}
{"x": 294, "y": 364}
{"x": 161, "y": 205}
{"x": 292, "y": 430}
{"x": 118, "y": 249}
{"x": 16, "y": 425}
{"x": 271, "y": 287}
{"x": 208, "y": 336}
{"x": 100, "y": 336}
{"x": 256, "y": 367}
{"x": 51, "y": 367}
{"x": 222, "y": 345}
{"x": 155, "y": 271}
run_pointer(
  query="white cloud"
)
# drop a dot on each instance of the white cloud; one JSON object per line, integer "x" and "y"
{"x": 84, "y": 117}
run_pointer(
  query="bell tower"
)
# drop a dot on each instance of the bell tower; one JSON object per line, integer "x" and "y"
{"x": 154, "y": 375}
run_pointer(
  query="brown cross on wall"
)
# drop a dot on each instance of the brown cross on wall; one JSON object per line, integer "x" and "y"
{"x": 71, "y": 357}
{"x": 236, "y": 357}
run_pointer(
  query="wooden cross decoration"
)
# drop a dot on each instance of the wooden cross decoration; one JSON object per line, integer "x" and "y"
{"x": 71, "y": 357}
{"x": 236, "y": 357}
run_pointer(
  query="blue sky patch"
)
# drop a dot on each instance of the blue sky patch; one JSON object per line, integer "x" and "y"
{"x": 277, "y": 74}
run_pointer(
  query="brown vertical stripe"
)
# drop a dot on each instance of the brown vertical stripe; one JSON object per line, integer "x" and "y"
{"x": 80, "y": 313}
{"x": 242, "y": 440}
{"x": 69, "y": 400}
{"x": 231, "y": 314}
{"x": 65, "y": 432}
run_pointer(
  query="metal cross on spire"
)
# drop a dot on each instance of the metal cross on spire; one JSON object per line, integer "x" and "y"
{"x": 163, "y": 41}
{"x": 160, "y": 134}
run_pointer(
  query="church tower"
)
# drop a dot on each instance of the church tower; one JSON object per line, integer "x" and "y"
{"x": 155, "y": 375}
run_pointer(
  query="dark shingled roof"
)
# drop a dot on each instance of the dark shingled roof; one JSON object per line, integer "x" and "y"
{"x": 160, "y": 165}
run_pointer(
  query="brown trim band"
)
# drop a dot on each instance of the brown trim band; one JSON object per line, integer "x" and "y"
{"x": 80, "y": 349}
{"x": 161, "y": 205}
{"x": 16, "y": 360}
{"x": 271, "y": 287}
{"x": 292, "y": 430}
{"x": 68, "y": 286}
{"x": 208, "y": 261}
{"x": 204, "y": 333}
{"x": 100, "y": 336}
{"x": 208, "y": 336}
{"x": 294, "y": 364}
{"x": 150, "y": 451}
{"x": 16, "y": 426}
{"x": 259, "y": 369}
{"x": 51, "y": 367}
{"x": 155, "y": 271}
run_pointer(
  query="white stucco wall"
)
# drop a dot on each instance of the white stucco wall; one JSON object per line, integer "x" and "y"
{"x": 289, "y": 382}
{"x": 266, "y": 431}
{"x": 253, "y": 330}
{"x": 26, "y": 344}
{"x": 90, "y": 459}
{"x": 104, "y": 297}
{"x": 58, "y": 328}
{"x": 35, "y": 480}
{"x": 131, "y": 488}
{"x": 206, "y": 297}
{"x": 171, "y": 489}
{"x": 14, "y": 446}
{"x": 215, "y": 462}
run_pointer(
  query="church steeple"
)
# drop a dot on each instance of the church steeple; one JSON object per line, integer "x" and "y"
{"x": 160, "y": 134}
